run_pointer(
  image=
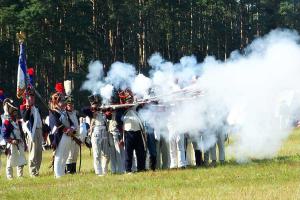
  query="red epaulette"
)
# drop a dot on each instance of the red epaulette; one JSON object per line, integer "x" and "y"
{"x": 6, "y": 122}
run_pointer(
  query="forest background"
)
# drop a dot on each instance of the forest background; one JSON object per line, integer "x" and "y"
{"x": 64, "y": 36}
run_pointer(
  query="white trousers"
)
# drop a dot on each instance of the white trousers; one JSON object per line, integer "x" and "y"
{"x": 73, "y": 153}
{"x": 100, "y": 148}
{"x": 61, "y": 155}
{"x": 117, "y": 154}
{"x": 9, "y": 172}
{"x": 177, "y": 151}
{"x": 190, "y": 152}
{"x": 35, "y": 152}
{"x": 15, "y": 159}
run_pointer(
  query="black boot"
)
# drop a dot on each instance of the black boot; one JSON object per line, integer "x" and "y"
{"x": 152, "y": 162}
{"x": 213, "y": 163}
{"x": 198, "y": 157}
{"x": 73, "y": 168}
{"x": 68, "y": 168}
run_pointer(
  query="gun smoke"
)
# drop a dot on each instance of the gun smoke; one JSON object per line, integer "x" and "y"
{"x": 252, "y": 95}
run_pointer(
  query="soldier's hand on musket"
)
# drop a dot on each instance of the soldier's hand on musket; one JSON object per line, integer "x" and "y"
{"x": 71, "y": 134}
{"x": 69, "y": 131}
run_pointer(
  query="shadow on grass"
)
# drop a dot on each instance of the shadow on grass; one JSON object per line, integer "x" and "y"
{"x": 280, "y": 159}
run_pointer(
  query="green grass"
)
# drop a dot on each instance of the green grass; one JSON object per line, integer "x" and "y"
{"x": 277, "y": 178}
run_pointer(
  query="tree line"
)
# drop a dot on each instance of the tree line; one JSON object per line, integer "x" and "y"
{"x": 63, "y": 36}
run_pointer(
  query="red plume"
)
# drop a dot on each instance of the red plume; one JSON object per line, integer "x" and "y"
{"x": 59, "y": 87}
{"x": 1, "y": 92}
{"x": 30, "y": 71}
{"x": 22, "y": 107}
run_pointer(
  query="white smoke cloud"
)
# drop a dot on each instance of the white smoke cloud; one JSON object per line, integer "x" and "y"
{"x": 121, "y": 75}
{"x": 254, "y": 82}
{"x": 106, "y": 92}
{"x": 95, "y": 78}
{"x": 141, "y": 85}
{"x": 245, "y": 89}
{"x": 156, "y": 61}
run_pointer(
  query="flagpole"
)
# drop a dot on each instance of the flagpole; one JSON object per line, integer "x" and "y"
{"x": 22, "y": 68}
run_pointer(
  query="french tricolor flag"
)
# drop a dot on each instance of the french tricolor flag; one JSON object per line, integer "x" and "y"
{"x": 22, "y": 72}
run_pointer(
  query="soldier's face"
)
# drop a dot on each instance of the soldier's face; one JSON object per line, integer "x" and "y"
{"x": 70, "y": 107}
{"x": 30, "y": 101}
{"x": 62, "y": 104}
{"x": 13, "y": 111}
{"x": 94, "y": 107}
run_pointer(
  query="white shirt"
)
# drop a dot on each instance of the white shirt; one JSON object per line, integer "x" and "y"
{"x": 131, "y": 121}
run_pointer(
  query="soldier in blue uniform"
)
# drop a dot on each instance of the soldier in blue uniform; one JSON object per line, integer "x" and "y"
{"x": 14, "y": 137}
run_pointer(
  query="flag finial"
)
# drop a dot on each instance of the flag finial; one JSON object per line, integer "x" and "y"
{"x": 21, "y": 36}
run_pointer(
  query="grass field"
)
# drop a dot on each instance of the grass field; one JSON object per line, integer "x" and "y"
{"x": 277, "y": 178}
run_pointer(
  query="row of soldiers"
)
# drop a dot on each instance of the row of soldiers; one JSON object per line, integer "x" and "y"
{"x": 117, "y": 136}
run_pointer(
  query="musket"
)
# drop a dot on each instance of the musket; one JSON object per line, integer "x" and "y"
{"x": 184, "y": 99}
{"x": 126, "y": 105}
{"x": 193, "y": 95}
{"x": 184, "y": 91}
{"x": 154, "y": 99}
{"x": 117, "y": 106}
